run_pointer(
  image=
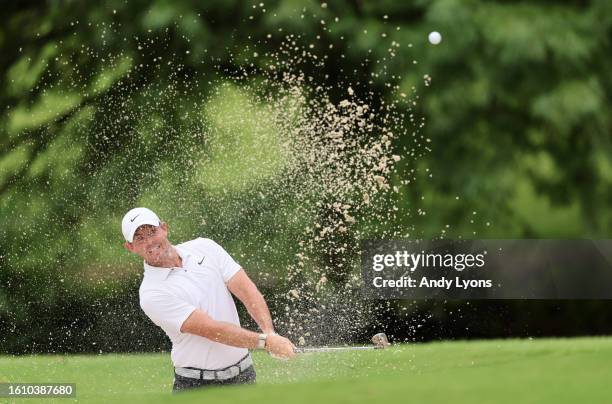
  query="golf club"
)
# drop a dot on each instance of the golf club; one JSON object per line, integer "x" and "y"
{"x": 379, "y": 340}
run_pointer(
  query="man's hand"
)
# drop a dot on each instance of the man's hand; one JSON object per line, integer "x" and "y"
{"x": 279, "y": 346}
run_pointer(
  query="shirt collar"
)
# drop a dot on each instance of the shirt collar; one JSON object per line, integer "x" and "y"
{"x": 161, "y": 273}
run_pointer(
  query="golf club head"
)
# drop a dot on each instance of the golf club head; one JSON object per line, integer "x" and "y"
{"x": 380, "y": 340}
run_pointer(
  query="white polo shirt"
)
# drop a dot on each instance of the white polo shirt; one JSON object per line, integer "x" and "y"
{"x": 169, "y": 295}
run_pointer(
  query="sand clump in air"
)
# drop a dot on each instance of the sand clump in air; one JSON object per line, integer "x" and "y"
{"x": 342, "y": 154}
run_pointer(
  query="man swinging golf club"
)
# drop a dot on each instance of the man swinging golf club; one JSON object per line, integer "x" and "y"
{"x": 186, "y": 291}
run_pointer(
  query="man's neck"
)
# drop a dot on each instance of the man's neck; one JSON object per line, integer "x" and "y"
{"x": 176, "y": 258}
{"x": 173, "y": 261}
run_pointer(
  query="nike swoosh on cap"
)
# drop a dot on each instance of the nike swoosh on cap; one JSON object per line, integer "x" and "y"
{"x": 134, "y": 218}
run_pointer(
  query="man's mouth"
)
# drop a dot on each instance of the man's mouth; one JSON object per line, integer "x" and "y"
{"x": 155, "y": 251}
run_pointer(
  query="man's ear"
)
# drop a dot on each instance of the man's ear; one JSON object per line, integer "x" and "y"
{"x": 128, "y": 246}
{"x": 164, "y": 226}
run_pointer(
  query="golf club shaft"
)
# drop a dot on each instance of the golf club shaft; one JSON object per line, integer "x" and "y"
{"x": 333, "y": 349}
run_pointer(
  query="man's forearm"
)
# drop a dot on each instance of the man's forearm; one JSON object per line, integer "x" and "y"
{"x": 200, "y": 323}
{"x": 230, "y": 334}
{"x": 258, "y": 309}
{"x": 245, "y": 290}
{"x": 220, "y": 331}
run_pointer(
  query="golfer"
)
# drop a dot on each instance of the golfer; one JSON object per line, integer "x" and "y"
{"x": 186, "y": 291}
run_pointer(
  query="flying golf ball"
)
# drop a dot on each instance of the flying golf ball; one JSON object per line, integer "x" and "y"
{"x": 435, "y": 37}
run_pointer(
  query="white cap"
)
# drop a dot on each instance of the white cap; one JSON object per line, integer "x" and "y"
{"x": 136, "y": 218}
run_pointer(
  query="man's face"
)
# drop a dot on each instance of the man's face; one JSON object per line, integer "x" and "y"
{"x": 151, "y": 243}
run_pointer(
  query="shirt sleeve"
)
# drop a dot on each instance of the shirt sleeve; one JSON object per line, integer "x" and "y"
{"x": 225, "y": 263}
{"x": 165, "y": 310}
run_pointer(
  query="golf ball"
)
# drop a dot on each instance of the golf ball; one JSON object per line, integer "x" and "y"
{"x": 435, "y": 37}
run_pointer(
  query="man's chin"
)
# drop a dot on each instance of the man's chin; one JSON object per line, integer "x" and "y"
{"x": 153, "y": 262}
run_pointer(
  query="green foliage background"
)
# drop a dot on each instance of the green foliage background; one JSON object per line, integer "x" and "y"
{"x": 517, "y": 116}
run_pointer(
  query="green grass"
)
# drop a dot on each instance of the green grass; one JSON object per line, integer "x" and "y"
{"x": 526, "y": 371}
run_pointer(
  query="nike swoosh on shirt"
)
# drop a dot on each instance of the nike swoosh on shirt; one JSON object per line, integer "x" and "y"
{"x": 200, "y": 263}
